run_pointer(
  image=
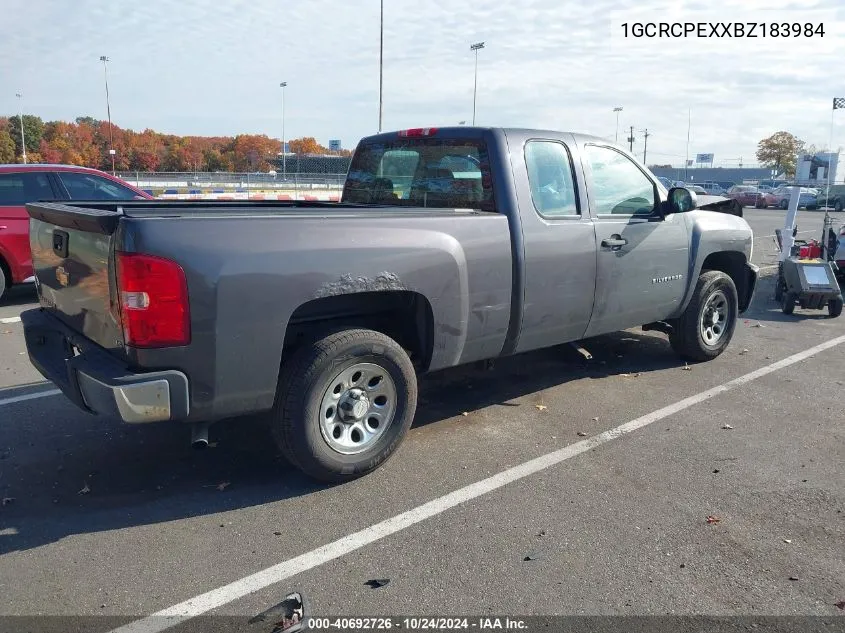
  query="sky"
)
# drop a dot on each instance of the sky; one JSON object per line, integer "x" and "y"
{"x": 214, "y": 68}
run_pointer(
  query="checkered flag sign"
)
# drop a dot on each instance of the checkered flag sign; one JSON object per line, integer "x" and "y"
{"x": 838, "y": 103}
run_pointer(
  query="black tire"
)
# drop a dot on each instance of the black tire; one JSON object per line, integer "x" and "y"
{"x": 3, "y": 281}
{"x": 838, "y": 206}
{"x": 686, "y": 338}
{"x": 788, "y": 303}
{"x": 304, "y": 381}
{"x": 784, "y": 204}
{"x": 834, "y": 307}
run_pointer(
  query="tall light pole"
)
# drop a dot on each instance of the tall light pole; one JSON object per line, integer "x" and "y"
{"x": 284, "y": 153}
{"x": 105, "y": 59}
{"x": 686, "y": 162}
{"x": 20, "y": 118}
{"x": 380, "y": 66}
{"x": 475, "y": 47}
{"x": 617, "y": 110}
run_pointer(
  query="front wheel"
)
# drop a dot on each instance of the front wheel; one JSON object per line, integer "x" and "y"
{"x": 707, "y": 326}
{"x": 834, "y": 307}
{"x": 344, "y": 404}
{"x": 2, "y": 282}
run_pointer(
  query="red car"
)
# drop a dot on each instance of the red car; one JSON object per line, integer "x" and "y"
{"x": 746, "y": 195}
{"x": 20, "y": 184}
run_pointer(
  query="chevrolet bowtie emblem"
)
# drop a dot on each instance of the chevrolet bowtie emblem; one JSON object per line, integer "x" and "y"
{"x": 62, "y": 275}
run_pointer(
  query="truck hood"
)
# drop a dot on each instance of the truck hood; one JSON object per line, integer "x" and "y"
{"x": 720, "y": 204}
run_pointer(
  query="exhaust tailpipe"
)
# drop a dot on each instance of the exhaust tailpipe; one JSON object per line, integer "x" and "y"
{"x": 199, "y": 435}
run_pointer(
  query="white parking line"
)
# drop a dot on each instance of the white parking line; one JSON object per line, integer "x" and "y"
{"x": 29, "y": 396}
{"x": 7, "y": 320}
{"x": 215, "y": 598}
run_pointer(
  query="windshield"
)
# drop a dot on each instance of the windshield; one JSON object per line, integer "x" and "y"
{"x": 433, "y": 173}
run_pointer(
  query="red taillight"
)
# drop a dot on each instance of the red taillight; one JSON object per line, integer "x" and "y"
{"x": 419, "y": 131}
{"x": 153, "y": 296}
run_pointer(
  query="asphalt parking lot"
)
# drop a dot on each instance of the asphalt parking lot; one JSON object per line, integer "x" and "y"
{"x": 723, "y": 496}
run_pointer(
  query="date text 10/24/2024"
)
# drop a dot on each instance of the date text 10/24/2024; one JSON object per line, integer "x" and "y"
{"x": 417, "y": 624}
{"x": 722, "y": 29}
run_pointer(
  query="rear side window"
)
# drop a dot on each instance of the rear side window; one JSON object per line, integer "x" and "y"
{"x": 18, "y": 189}
{"x": 91, "y": 187}
{"x": 422, "y": 172}
{"x": 550, "y": 177}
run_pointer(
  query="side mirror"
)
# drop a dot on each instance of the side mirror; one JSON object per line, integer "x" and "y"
{"x": 681, "y": 200}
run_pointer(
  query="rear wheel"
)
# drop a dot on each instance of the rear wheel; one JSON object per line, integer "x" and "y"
{"x": 344, "y": 404}
{"x": 3, "y": 281}
{"x": 707, "y": 326}
{"x": 784, "y": 204}
{"x": 788, "y": 302}
{"x": 834, "y": 307}
{"x": 838, "y": 206}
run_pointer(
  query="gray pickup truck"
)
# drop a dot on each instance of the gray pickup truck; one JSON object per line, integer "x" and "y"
{"x": 448, "y": 246}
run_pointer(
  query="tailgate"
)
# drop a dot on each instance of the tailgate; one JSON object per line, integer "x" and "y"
{"x": 71, "y": 257}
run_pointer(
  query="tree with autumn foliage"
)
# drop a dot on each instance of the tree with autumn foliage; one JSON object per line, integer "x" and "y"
{"x": 86, "y": 142}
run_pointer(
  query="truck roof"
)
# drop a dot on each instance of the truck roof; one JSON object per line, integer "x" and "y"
{"x": 472, "y": 131}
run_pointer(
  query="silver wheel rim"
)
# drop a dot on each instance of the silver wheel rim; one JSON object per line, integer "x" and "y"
{"x": 713, "y": 322}
{"x": 357, "y": 408}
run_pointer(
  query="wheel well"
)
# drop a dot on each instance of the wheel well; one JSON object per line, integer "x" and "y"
{"x": 404, "y": 316}
{"x": 7, "y": 270}
{"x": 732, "y": 264}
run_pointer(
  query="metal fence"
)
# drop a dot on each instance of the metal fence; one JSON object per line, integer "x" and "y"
{"x": 229, "y": 180}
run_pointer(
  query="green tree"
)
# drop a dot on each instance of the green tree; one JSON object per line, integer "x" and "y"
{"x": 33, "y": 128}
{"x": 780, "y": 152}
{"x": 7, "y": 147}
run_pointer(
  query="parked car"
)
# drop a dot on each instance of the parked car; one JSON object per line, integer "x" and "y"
{"x": 150, "y": 311}
{"x": 665, "y": 182}
{"x": 20, "y": 184}
{"x": 780, "y": 198}
{"x": 835, "y": 199}
{"x": 746, "y": 195}
{"x": 698, "y": 189}
{"x": 712, "y": 188}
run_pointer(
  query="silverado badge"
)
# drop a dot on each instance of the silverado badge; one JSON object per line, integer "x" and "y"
{"x": 62, "y": 275}
{"x": 663, "y": 280}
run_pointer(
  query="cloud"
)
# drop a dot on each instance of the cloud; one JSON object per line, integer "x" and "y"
{"x": 198, "y": 68}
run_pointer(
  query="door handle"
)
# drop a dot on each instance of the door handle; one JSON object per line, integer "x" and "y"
{"x": 615, "y": 242}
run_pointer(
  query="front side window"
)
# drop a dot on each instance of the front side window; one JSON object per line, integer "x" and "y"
{"x": 91, "y": 187}
{"x": 20, "y": 188}
{"x": 619, "y": 187}
{"x": 550, "y": 177}
{"x": 422, "y": 172}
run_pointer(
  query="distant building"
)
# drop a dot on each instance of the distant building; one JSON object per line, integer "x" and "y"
{"x": 813, "y": 168}
{"x": 693, "y": 175}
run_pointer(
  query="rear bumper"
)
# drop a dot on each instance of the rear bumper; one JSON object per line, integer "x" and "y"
{"x": 746, "y": 291}
{"x": 96, "y": 381}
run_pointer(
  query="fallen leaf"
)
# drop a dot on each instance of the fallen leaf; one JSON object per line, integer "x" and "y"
{"x": 21, "y": 353}
{"x": 277, "y": 533}
{"x": 531, "y": 557}
{"x": 637, "y": 375}
{"x": 378, "y": 582}
{"x": 7, "y": 331}
{"x": 793, "y": 577}
{"x": 223, "y": 485}
{"x": 840, "y": 605}
{"x": 464, "y": 414}
{"x": 743, "y": 352}
{"x": 8, "y": 500}
{"x": 582, "y": 434}
{"x": 727, "y": 427}
{"x": 787, "y": 541}
{"x": 686, "y": 367}
{"x": 758, "y": 325}
{"x": 711, "y": 520}
{"x": 716, "y": 470}
{"x": 542, "y": 533}
{"x": 595, "y": 419}
{"x": 85, "y": 489}
{"x": 541, "y": 407}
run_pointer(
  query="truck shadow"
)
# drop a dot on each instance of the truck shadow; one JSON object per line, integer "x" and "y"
{"x": 69, "y": 473}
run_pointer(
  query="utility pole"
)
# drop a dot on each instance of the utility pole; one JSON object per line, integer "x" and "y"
{"x": 686, "y": 160}
{"x": 380, "y": 66}
{"x": 284, "y": 152}
{"x": 20, "y": 118}
{"x": 645, "y": 145}
{"x": 631, "y": 141}
{"x": 105, "y": 59}
{"x": 476, "y": 48}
